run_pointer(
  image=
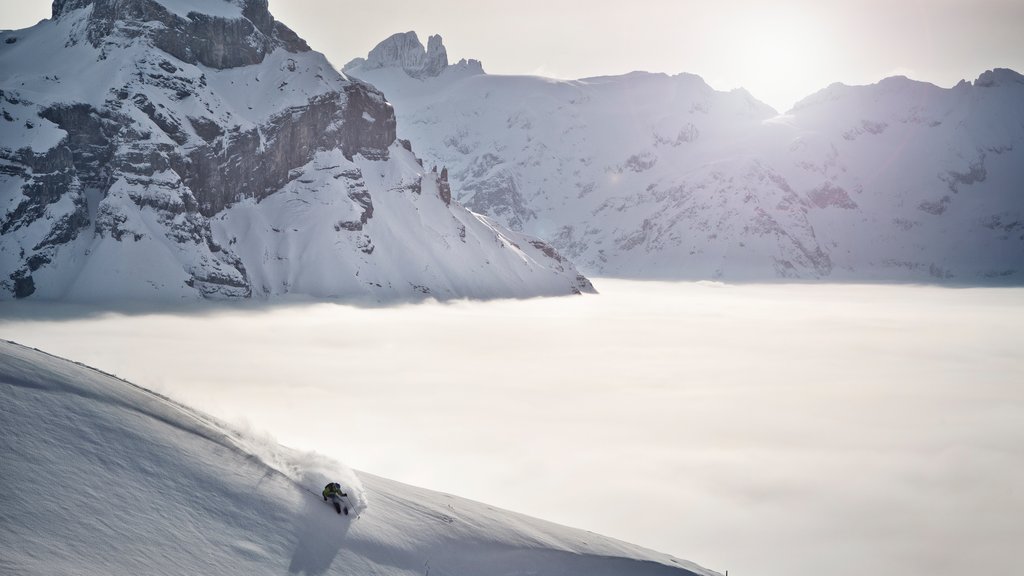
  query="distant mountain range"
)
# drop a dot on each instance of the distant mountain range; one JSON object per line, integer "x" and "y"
{"x": 656, "y": 176}
{"x": 180, "y": 149}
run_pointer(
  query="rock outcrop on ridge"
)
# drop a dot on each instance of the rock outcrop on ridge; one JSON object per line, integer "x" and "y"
{"x": 405, "y": 52}
{"x": 178, "y": 149}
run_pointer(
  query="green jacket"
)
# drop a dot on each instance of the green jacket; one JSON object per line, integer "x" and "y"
{"x": 333, "y": 489}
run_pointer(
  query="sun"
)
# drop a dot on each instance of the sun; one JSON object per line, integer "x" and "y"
{"x": 778, "y": 56}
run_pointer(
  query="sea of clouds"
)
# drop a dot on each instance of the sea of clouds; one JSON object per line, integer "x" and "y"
{"x": 764, "y": 429}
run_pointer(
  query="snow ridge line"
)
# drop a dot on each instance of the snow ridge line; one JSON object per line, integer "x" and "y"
{"x": 225, "y": 434}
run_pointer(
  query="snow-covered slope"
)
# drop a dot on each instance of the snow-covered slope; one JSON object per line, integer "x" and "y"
{"x": 102, "y": 477}
{"x": 657, "y": 176}
{"x": 178, "y": 149}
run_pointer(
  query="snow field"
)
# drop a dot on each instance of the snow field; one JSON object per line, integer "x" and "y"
{"x": 102, "y": 477}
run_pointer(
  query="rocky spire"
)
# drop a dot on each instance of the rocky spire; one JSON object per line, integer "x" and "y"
{"x": 436, "y": 58}
{"x": 405, "y": 51}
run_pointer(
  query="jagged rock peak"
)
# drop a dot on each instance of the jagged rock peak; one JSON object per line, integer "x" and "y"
{"x": 183, "y": 7}
{"x": 437, "y": 55}
{"x": 216, "y": 33}
{"x": 999, "y": 77}
{"x": 405, "y": 51}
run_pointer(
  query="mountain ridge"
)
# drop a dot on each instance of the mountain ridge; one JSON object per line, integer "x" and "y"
{"x": 658, "y": 176}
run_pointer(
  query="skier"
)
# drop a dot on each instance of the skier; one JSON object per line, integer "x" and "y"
{"x": 333, "y": 493}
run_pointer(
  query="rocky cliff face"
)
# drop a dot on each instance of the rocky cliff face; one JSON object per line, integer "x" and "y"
{"x": 133, "y": 131}
{"x": 196, "y": 37}
{"x": 656, "y": 176}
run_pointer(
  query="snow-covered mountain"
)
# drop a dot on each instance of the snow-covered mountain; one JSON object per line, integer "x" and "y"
{"x": 178, "y": 149}
{"x": 656, "y": 176}
{"x": 102, "y": 477}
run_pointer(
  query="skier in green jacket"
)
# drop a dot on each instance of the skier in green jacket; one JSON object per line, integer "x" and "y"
{"x": 334, "y": 493}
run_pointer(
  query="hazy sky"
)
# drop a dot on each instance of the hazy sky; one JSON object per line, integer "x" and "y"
{"x": 765, "y": 430}
{"x": 781, "y": 51}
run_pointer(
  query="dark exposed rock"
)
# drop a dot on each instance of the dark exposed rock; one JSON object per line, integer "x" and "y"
{"x": 371, "y": 138}
{"x": 289, "y": 40}
{"x": 24, "y": 284}
{"x": 975, "y": 173}
{"x": 219, "y": 284}
{"x": 199, "y": 39}
{"x": 48, "y": 177}
{"x": 206, "y": 129}
{"x": 443, "y": 188}
{"x": 37, "y": 261}
{"x": 416, "y": 186}
{"x": 935, "y": 208}
{"x": 829, "y": 195}
{"x": 67, "y": 227}
{"x": 366, "y": 202}
{"x": 999, "y": 77}
{"x": 164, "y": 120}
{"x": 214, "y": 42}
{"x": 110, "y": 222}
{"x": 547, "y": 250}
{"x": 89, "y": 146}
{"x": 365, "y": 245}
{"x": 256, "y": 163}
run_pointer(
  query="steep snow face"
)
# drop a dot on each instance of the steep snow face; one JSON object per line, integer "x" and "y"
{"x": 655, "y": 176}
{"x": 179, "y": 149}
{"x": 128, "y": 482}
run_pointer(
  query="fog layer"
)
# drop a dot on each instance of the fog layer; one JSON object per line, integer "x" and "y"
{"x": 770, "y": 430}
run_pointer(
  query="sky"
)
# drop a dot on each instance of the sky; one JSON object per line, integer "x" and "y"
{"x": 773, "y": 430}
{"x": 780, "y": 51}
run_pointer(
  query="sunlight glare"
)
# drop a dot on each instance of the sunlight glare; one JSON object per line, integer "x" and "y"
{"x": 778, "y": 55}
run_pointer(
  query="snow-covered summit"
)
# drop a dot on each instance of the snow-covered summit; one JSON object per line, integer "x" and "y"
{"x": 102, "y": 477}
{"x": 178, "y": 149}
{"x": 656, "y": 176}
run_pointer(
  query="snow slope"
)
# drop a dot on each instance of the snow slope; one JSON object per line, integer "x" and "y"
{"x": 102, "y": 477}
{"x": 177, "y": 149}
{"x": 656, "y": 176}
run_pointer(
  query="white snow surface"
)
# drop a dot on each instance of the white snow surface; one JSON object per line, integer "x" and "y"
{"x": 656, "y": 176}
{"x": 103, "y": 477}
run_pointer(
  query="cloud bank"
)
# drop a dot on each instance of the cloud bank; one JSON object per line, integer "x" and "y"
{"x": 765, "y": 430}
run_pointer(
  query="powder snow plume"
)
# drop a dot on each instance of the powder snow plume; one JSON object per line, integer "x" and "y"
{"x": 310, "y": 470}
